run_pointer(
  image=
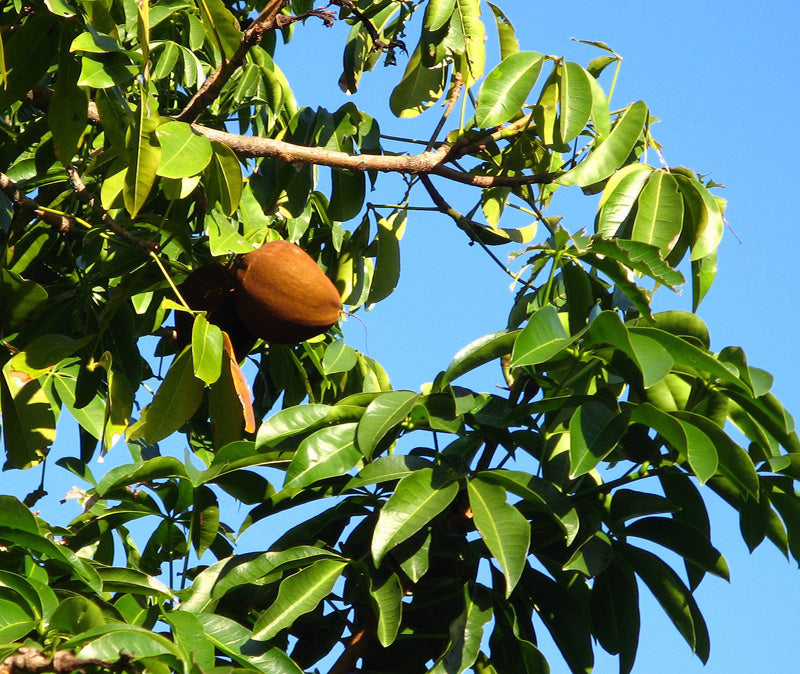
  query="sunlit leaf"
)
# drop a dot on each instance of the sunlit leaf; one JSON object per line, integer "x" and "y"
{"x": 329, "y": 452}
{"x": 418, "y": 498}
{"x": 382, "y": 414}
{"x": 183, "y": 152}
{"x": 541, "y": 339}
{"x": 503, "y": 528}
{"x": 298, "y": 594}
{"x": 612, "y": 152}
{"x": 506, "y": 87}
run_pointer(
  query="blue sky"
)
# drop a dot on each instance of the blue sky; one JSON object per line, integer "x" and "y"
{"x": 723, "y": 77}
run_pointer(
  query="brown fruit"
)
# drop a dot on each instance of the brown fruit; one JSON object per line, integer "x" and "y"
{"x": 211, "y": 288}
{"x": 283, "y": 296}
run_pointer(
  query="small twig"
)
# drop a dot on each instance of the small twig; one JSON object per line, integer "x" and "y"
{"x": 91, "y": 201}
{"x": 377, "y": 43}
{"x": 462, "y": 221}
{"x": 458, "y": 83}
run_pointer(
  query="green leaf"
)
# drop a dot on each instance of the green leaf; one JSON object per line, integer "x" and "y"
{"x": 116, "y": 639}
{"x": 659, "y": 214}
{"x": 615, "y": 612}
{"x": 611, "y": 152}
{"x": 298, "y": 594}
{"x": 223, "y": 179}
{"x": 15, "y": 622}
{"x": 601, "y": 118}
{"x": 619, "y": 197}
{"x": 223, "y": 235}
{"x": 338, "y": 358}
{"x": 75, "y": 615}
{"x": 477, "y": 353}
{"x": 685, "y": 353}
{"x": 505, "y": 32}
{"x": 575, "y": 100}
{"x": 564, "y": 618}
{"x": 289, "y": 422}
{"x": 29, "y": 425}
{"x": 702, "y": 453}
{"x": 683, "y": 539}
{"x": 503, "y": 528}
{"x": 467, "y": 16}
{"x": 67, "y": 114}
{"x": 143, "y": 157}
{"x": 387, "y": 263}
{"x": 175, "y": 401}
{"x": 674, "y": 597}
{"x": 466, "y": 632}
{"x": 183, "y": 152}
{"x": 418, "y": 498}
{"x": 542, "y": 338}
{"x": 348, "y": 189}
{"x": 157, "y": 468}
{"x": 387, "y": 598}
{"x": 384, "y": 413}
{"x": 640, "y": 257}
{"x": 204, "y": 524}
{"x": 233, "y": 640}
{"x": 594, "y": 430}
{"x": 419, "y": 88}
{"x": 28, "y": 53}
{"x": 190, "y": 638}
{"x": 206, "y": 350}
{"x": 506, "y": 87}
{"x": 652, "y": 359}
{"x": 221, "y": 26}
{"x": 330, "y": 452}
{"x": 437, "y": 14}
{"x": 539, "y": 493}
{"x": 709, "y": 222}
{"x": 734, "y": 463}
{"x": 388, "y": 468}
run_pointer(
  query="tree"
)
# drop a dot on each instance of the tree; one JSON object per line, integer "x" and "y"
{"x": 142, "y": 142}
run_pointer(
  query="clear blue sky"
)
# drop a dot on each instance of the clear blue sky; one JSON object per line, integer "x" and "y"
{"x": 723, "y": 77}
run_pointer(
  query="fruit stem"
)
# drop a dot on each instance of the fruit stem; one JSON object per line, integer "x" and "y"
{"x": 170, "y": 281}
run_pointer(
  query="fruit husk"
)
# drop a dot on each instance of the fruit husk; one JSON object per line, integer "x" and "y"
{"x": 211, "y": 288}
{"x": 283, "y": 297}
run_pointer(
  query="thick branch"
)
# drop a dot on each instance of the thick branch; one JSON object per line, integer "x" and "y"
{"x": 427, "y": 162}
{"x": 32, "y": 661}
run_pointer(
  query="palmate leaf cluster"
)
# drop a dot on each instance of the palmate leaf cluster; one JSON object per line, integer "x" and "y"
{"x": 442, "y": 530}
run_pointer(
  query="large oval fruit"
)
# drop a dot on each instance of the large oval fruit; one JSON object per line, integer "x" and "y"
{"x": 283, "y": 296}
{"x": 211, "y": 288}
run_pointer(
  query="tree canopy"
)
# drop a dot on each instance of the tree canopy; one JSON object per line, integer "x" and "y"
{"x": 146, "y": 148}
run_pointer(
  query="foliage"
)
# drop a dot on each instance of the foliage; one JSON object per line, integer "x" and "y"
{"x": 449, "y": 527}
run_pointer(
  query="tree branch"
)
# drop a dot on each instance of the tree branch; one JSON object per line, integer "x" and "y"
{"x": 429, "y": 162}
{"x": 469, "y": 226}
{"x": 32, "y": 661}
{"x": 267, "y": 20}
{"x": 91, "y": 201}
{"x": 60, "y": 223}
{"x": 353, "y": 651}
